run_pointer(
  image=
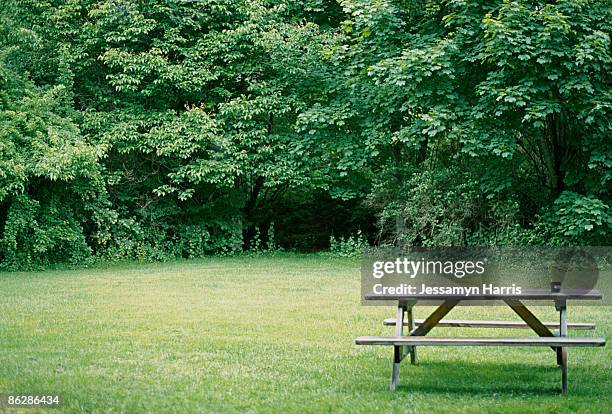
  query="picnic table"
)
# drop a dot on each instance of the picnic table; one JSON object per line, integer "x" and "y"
{"x": 559, "y": 341}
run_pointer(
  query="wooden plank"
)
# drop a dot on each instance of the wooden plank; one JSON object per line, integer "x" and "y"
{"x": 433, "y": 319}
{"x": 444, "y": 341}
{"x": 459, "y": 323}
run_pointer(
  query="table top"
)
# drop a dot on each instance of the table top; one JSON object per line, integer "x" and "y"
{"x": 532, "y": 294}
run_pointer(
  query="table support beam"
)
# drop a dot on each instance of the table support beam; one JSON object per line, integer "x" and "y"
{"x": 433, "y": 319}
{"x": 529, "y": 318}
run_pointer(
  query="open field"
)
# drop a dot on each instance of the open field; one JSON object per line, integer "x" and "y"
{"x": 266, "y": 334}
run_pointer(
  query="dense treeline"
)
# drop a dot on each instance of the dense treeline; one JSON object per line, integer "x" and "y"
{"x": 179, "y": 128}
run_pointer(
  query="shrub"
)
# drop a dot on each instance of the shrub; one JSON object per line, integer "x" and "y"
{"x": 353, "y": 245}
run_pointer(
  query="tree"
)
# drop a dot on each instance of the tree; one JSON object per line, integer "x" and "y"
{"x": 514, "y": 94}
{"x": 176, "y": 129}
{"x": 50, "y": 179}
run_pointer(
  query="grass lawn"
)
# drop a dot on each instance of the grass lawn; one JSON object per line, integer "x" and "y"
{"x": 263, "y": 334}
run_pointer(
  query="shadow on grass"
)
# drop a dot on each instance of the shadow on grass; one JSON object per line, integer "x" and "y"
{"x": 478, "y": 378}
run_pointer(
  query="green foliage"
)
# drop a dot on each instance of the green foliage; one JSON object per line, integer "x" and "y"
{"x": 574, "y": 220}
{"x": 432, "y": 208}
{"x": 38, "y": 235}
{"x": 263, "y": 241}
{"x": 351, "y": 246}
{"x": 155, "y": 130}
{"x": 583, "y": 218}
{"x": 272, "y": 243}
{"x": 49, "y": 174}
{"x": 513, "y": 95}
{"x": 130, "y": 239}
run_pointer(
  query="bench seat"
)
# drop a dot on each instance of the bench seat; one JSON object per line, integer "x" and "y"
{"x": 435, "y": 341}
{"x": 490, "y": 324}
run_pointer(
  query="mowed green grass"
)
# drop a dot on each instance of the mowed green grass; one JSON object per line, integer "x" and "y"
{"x": 263, "y": 334}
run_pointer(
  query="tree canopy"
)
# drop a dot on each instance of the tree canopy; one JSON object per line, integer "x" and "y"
{"x": 168, "y": 128}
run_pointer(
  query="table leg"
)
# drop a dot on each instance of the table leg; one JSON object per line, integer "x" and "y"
{"x": 564, "y": 371}
{"x": 562, "y": 352}
{"x": 396, "y": 363}
{"x": 398, "y": 351}
{"x": 422, "y": 329}
{"x": 411, "y": 325}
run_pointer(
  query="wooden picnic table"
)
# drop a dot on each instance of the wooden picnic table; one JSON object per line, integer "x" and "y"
{"x": 418, "y": 329}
